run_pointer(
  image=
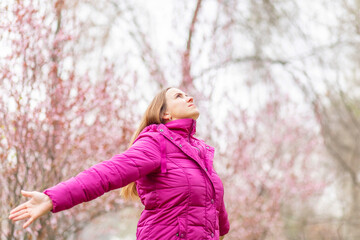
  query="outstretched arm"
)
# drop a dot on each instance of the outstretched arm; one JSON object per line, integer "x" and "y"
{"x": 142, "y": 158}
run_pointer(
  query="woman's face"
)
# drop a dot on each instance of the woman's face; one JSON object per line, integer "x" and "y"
{"x": 179, "y": 105}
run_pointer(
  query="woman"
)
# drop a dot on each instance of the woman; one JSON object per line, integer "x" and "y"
{"x": 166, "y": 166}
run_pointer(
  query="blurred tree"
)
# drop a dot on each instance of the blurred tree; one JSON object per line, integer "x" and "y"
{"x": 54, "y": 120}
{"x": 335, "y": 99}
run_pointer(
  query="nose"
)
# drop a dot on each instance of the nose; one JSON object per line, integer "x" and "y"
{"x": 190, "y": 99}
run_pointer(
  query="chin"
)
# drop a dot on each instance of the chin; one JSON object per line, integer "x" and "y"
{"x": 195, "y": 116}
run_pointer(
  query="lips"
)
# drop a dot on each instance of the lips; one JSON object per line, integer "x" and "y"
{"x": 191, "y": 105}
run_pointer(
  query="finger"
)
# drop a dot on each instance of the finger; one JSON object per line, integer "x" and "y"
{"x": 21, "y": 217}
{"x": 18, "y": 208}
{"x": 17, "y": 213}
{"x": 26, "y": 193}
{"x": 28, "y": 222}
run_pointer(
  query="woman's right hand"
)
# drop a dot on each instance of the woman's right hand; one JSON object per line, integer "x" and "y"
{"x": 38, "y": 205}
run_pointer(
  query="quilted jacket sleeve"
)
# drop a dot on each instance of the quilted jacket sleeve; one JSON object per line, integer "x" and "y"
{"x": 224, "y": 224}
{"x": 142, "y": 158}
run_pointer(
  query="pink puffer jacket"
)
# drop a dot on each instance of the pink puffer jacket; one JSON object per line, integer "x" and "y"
{"x": 175, "y": 179}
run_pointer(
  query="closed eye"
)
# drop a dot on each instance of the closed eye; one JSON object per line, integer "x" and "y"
{"x": 180, "y": 94}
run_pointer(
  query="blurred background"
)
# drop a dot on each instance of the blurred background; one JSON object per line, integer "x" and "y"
{"x": 277, "y": 84}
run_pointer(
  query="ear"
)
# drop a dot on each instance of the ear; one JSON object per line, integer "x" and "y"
{"x": 166, "y": 116}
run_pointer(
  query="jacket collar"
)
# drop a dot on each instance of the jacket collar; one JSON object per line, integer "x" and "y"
{"x": 185, "y": 127}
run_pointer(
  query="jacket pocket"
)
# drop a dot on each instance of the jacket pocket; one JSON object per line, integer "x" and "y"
{"x": 181, "y": 227}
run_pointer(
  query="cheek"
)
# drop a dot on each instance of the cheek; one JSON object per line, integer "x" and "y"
{"x": 177, "y": 107}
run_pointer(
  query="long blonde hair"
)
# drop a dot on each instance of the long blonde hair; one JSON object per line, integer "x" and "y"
{"x": 153, "y": 115}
